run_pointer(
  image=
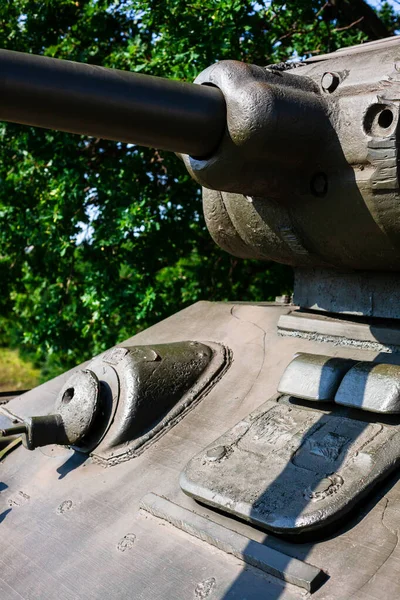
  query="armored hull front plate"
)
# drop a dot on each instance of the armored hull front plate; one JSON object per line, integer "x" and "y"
{"x": 74, "y": 530}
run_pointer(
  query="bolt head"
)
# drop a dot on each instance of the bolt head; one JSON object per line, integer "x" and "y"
{"x": 330, "y": 81}
{"x": 216, "y": 453}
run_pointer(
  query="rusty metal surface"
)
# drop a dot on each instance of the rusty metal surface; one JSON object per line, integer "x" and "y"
{"x": 76, "y": 527}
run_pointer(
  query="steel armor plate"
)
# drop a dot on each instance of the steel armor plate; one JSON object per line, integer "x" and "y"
{"x": 291, "y": 468}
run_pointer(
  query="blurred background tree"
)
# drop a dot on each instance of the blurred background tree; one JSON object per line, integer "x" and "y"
{"x": 99, "y": 239}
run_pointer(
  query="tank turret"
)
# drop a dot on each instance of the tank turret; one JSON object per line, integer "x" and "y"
{"x": 298, "y": 162}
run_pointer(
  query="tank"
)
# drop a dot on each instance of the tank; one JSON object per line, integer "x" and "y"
{"x": 234, "y": 450}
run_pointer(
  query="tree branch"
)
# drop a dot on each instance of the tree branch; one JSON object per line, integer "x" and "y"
{"x": 349, "y": 26}
{"x": 353, "y": 10}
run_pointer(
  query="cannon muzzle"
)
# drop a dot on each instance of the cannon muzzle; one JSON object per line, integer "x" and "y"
{"x": 111, "y": 104}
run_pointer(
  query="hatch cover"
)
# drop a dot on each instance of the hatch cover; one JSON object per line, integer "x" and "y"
{"x": 291, "y": 468}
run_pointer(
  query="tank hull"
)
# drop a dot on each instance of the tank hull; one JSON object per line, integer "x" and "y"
{"x": 73, "y": 529}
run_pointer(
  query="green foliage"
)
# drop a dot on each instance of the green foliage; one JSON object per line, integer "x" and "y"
{"x": 16, "y": 373}
{"x": 146, "y": 253}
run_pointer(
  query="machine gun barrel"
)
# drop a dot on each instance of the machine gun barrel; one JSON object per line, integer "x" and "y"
{"x": 111, "y": 104}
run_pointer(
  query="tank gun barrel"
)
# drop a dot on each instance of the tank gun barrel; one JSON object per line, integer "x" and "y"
{"x": 298, "y": 165}
{"x": 111, "y": 104}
